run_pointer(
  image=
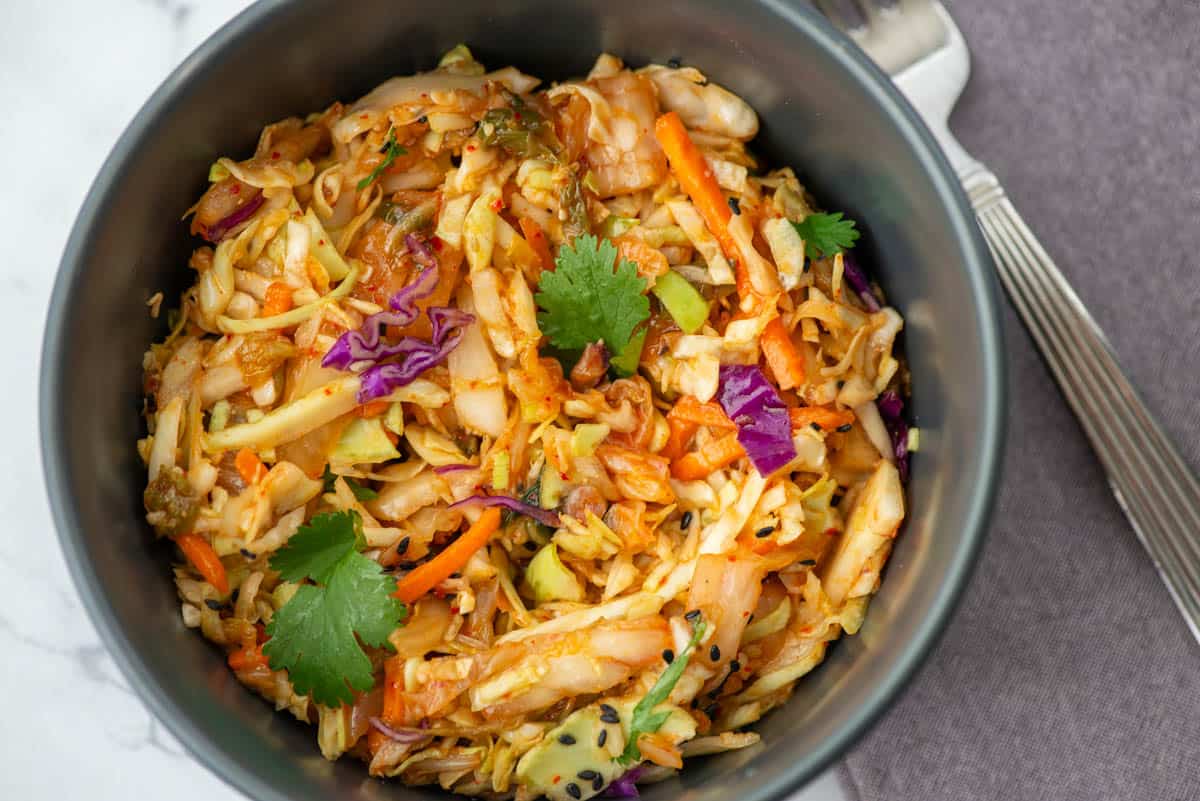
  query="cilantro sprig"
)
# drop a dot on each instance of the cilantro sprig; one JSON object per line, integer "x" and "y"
{"x": 826, "y": 234}
{"x": 591, "y": 296}
{"x": 315, "y": 636}
{"x": 390, "y": 150}
{"x": 645, "y": 720}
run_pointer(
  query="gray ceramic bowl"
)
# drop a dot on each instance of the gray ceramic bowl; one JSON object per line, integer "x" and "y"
{"x": 824, "y": 109}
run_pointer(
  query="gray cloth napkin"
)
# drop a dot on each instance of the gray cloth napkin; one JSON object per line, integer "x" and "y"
{"x": 1066, "y": 672}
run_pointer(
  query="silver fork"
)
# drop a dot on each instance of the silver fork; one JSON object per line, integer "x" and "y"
{"x": 919, "y": 45}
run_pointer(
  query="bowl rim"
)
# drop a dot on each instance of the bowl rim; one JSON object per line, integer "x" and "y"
{"x": 991, "y": 418}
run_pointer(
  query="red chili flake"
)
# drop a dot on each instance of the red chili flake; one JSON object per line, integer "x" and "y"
{"x": 274, "y": 154}
{"x": 831, "y": 532}
{"x": 497, "y": 204}
{"x": 364, "y": 116}
{"x": 321, "y": 242}
{"x": 556, "y": 779}
{"x": 516, "y": 115}
{"x": 454, "y": 609}
{"x": 236, "y": 188}
{"x": 470, "y": 148}
{"x": 328, "y": 391}
{"x": 436, "y": 243}
{"x": 732, "y": 558}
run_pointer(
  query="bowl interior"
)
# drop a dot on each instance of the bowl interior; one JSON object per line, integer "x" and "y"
{"x": 825, "y": 111}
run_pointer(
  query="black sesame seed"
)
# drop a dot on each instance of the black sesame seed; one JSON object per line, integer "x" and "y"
{"x": 598, "y": 783}
{"x": 608, "y": 714}
{"x": 816, "y": 426}
{"x": 463, "y": 742}
{"x": 695, "y": 703}
{"x": 587, "y": 775}
{"x": 686, "y": 520}
{"x": 840, "y": 383}
{"x": 835, "y": 500}
{"x": 422, "y": 119}
{"x": 668, "y": 656}
{"x": 692, "y": 615}
{"x": 455, "y": 575}
{"x": 249, "y": 554}
{"x": 573, "y": 790}
{"x": 807, "y": 562}
{"x": 674, "y": 62}
{"x": 710, "y": 711}
{"x": 213, "y": 605}
{"x": 735, "y": 666}
{"x": 566, "y": 739}
{"x": 844, "y": 427}
{"x": 714, "y": 653}
{"x": 603, "y": 738}
{"x": 734, "y": 206}
{"x": 402, "y": 545}
{"x": 765, "y": 531}
{"x": 751, "y": 618}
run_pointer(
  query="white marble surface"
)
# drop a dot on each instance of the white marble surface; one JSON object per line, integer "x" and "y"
{"x": 72, "y": 74}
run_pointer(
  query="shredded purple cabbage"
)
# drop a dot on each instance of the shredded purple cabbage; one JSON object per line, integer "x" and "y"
{"x": 625, "y": 785}
{"x": 368, "y": 345}
{"x": 543, "y": 516}
{"x": 421, "y": 252}
{"x": 891, "y": 409}
{"x": 222, "y": 227}
{"x": 764, "y": 428}
{"x": 453, "y": 468}
{"x": 399, "y": 735}
{"x": 857, "y": 279}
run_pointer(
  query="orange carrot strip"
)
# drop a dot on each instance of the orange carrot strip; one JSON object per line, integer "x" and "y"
{"x": 205, "y": 560}
{"x": 393, "y": 687}
{"x": 536, "y": 238}
{"x": 709, "y": 414}
{"x": 427, "y": 576}
{"x": 249, "y": 466}
{"x": 373, "y": 409}
{"x": 247, "y": 658}
{"x": 681, "y": 434}
{"x": 697, "y": 180}
{"x": 713, "y": 456}
{"x": 278, "y": 299}
{"x": 828, "y": 419}
{"x": 784, "y": 359}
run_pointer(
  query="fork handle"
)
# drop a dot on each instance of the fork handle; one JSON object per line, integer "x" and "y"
{"x": 1153, "y": 485}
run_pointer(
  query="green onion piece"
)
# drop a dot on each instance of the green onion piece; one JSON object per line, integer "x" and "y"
{"x": 687, "y": 306}
{"x": 613, "y": 226}
{"x": 626, "y": 362}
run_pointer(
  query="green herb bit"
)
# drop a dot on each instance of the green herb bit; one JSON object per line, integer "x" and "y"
{"x": 645, "y": 720}
{"x": 360, "y": 492}
{"x": 826, "y": 234}
{"x": 520, "y": 131}
{"x": 316, "y": 635}
{"x": 391, "y": 149}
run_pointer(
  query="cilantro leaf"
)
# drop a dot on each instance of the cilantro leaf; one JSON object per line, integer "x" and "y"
{"x": 645, "y": 720}
{"x": 826, "y": 234}
{"x": 360, "y": 492}
{"x": 312, "y": 636}
{"x": 585, "y": 300}
{"x": 391, "y": 149}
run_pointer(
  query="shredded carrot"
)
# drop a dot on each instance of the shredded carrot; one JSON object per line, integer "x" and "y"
{"x": 828, "y": 419}
{"x": 393, "y": 686}
{"x": 205, "y": 560}
{"x": 681, "y": 433}
{"x": 713, "y": 456}
{"x": 278, "y": 299}
{"x": 697, "y": 180}
{"x": 710, "y": 414}
{"x": 782, "y": 356}
{"x": 650, "y": 261}
{"x": 427, "y": 576}
{"x": 536, "y": 238}
{"x": 249, "y": 466}
{"x": 373, "y": 409}
{"x": 248, "y": 658}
